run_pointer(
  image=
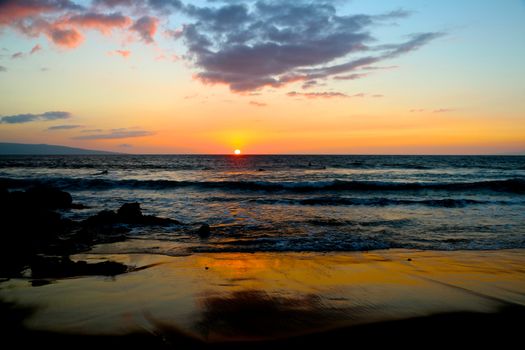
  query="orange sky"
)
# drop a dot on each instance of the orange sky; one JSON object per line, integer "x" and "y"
{"x": 427, "y": 85}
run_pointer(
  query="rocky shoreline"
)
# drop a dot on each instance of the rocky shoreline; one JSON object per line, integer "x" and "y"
{"x": 38, "y": 240}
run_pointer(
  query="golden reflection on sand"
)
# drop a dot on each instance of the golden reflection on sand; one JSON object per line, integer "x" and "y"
{"x": 263, "y": 295}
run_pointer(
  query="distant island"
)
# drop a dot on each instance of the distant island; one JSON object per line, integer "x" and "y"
{"x": 43, "y": 149}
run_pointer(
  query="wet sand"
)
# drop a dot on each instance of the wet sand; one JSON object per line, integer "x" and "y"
{"x": 272, "y": 299}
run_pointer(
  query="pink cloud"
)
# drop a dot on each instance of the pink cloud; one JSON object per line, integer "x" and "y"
{"x": 14, "y": 10}
{"x": 68, "y": 38}
{"x": 123, "y": 53}
{"x": 100, "y": 22}
{"x": 35, "y": 49}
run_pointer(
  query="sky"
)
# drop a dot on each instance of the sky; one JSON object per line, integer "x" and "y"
{"x": 266, "y": 76}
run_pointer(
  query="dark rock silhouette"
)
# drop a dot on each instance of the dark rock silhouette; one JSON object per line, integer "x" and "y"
{"x": 53, "y": 267}
{"x": 130, "y": 212}
{"x": 204, "y": 231}
{"x": 31, "y": 228}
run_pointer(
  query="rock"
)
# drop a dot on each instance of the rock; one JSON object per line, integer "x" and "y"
{"x": 204, "y": 231}
{"x": 40, "y": 283}
{"x": 104, "y": 217}
{"x": 54, "y": 267}
{"x": 130, "y": 213}
{"x": 409, "y": 259}
{"x": 156, "y": 221}
{"x": 48, "y": 197}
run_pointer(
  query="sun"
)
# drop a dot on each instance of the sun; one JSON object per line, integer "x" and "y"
{"x": 237, "y": 152}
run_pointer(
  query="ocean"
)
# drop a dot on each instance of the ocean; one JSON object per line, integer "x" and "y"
{"x": 295, "y": 203}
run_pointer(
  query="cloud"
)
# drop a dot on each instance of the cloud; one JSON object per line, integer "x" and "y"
{"x": 123, "y": 53}
{"x": 146, "y": 27}
{"x": 310, "y": 84}
{"x": 439, "y": 110}
{"x": 258, "y": 104}
{"x": 379, "y": 68}
{"x": 125, "y": 145}
{"x": 312, "y": 95}
{"x": 69, "y": 38}
{"x": 28, "y": 117}
{"x": 101, "y": 22}
{"x": 35, "y": 49}
{"x": 273, "y": 43}
{"x": 121, "y": 133}
{"x": 3, "y": 69}
{"x": 63, "y": 127}
{"x": 12, "y": 11}
{"x": 114, "y": 3}
{"x": 330, "y": 94}
{"x": 246, "y": 45}
{"x": 353, "y": 76}
{"x": 17, "y": 55}
{"x": 443, "y": 110}
{"x": 164, "y": 6}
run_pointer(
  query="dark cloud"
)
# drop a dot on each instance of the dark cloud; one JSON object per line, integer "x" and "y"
{"x": 164, "y": 6}
{"x": 113, "y": 3}
{"x": 246, "y": 45}
{"x": 121, "y": 133}
{"x": 3, "y": 69}
{"x": 272, "y": 43}
{"x": 63, "y": 127}
{"x": 310, "y": 84}
{"x": 146, "y": 27}
{"x": 28, "y": 117}
{"x": 17, "y": 55}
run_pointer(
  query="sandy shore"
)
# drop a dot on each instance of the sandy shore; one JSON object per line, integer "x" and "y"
{"x": 229, "y": 298}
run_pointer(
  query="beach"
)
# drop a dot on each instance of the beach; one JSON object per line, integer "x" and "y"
{"x": 234, "y": 298}
{"x": 261, "y": 251}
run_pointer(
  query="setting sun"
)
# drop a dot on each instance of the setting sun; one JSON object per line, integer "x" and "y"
{"x": 237, "y": 152}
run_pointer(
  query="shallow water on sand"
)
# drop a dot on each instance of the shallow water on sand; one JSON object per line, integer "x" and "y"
{"x": 235, "y": 296}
